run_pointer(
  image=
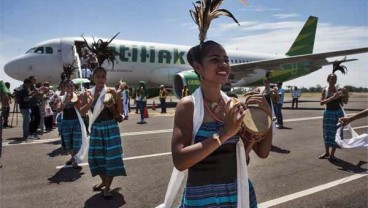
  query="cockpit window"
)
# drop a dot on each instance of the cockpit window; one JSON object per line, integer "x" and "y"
{"x": 31, "y": 50}
{"x": 49, "y": 50}
{"x": 39, "y": 50}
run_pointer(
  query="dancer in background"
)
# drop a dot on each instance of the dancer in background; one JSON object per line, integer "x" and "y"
{"x": 105, "y": 150}
{"x": 71, "y": 128}
{"x": 333, "y": 98}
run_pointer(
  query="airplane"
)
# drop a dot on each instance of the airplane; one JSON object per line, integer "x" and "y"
{"x": 165, "y": 64}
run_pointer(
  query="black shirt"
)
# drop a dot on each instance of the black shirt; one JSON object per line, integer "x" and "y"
{"x": 23, "y": 93}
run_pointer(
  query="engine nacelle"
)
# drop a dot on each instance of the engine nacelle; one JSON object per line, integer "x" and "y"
{"x": 191, "y": 80}
{"x": 185, "y": 78}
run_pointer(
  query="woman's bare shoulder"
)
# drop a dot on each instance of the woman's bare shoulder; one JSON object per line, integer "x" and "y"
{"x": 185, "y": 104}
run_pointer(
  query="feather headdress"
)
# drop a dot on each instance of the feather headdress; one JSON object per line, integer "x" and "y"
{"x": 68, "y": 70}
{"x": 102, "y": 50}
{"x": 337, "y": 67}
{"x": 204, "y": 12}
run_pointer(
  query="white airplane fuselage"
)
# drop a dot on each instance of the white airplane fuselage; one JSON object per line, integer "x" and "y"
{"x": 154, "y": 63}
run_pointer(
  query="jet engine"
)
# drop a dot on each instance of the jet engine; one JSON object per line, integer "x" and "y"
{"x": 191, "y": 80}
{"x": 185, "y": 78}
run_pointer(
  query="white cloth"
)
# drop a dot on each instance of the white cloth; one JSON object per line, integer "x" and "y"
{"x": 99, "y": 106}
{"x": 177, "y": 177}
{"x": 356, "y": 140}
{"x": 83, "y": 151}
{"x": 125, "y": 100}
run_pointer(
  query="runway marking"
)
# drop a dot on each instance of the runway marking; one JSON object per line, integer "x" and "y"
{"x": 137, "y": 133}
{"x": 125, "y": 159}
{"x": 309, "y": 191}
{"x": 303, "y": 119}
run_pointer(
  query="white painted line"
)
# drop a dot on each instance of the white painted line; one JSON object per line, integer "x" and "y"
{"x": 309, "y": 191}
{"x": 137, "y": 133}
{"x": 125, "y": 159}
{"x": 303, "y": 119}
{"x": 32, "y": 141}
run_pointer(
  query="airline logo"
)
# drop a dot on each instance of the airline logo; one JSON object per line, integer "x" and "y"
{"x": 148, "y": 54}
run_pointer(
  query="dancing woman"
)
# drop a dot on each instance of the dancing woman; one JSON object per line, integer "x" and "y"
{"x": 71, "y": 128}
{"x": 333, "y": 98}
{"x": 105, "y": 150}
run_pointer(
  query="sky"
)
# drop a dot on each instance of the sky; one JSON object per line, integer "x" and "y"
{"x": 266, "y": 26}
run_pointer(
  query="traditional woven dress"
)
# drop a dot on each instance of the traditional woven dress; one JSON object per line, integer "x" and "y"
{"x": 330, "y": 120}
{"x": 71, "y": 135}
{"x": 213, "y": 181}
{"x": 105, "y": 150}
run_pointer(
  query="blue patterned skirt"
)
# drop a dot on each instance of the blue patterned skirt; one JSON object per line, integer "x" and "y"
{"x": 71, "y": 135}
{"x": 330, "y": 120}
{"x": 216, "y": 195}
{"x": 105, "y": 154}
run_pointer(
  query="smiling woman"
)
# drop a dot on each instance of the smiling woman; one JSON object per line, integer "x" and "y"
{"x": 205, "y": 139}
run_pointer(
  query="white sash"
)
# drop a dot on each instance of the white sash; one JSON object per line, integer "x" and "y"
{"x": 98, "y": 107}
{"x": 356, "y": 140}
{"x": 177, "y": 177}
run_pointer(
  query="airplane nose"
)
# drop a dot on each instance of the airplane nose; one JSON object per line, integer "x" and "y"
{"x": 9, "y": 69}
{"x": 13, "y": 68}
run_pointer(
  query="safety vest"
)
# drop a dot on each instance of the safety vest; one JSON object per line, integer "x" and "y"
{"x": 184, "y": 92}
{"x": 163, "y": 93}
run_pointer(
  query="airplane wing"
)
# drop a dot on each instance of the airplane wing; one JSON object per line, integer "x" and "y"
{"x": 276, "y": 64}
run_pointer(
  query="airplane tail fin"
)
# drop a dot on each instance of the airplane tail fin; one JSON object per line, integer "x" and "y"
{"x": 304, "y": 43}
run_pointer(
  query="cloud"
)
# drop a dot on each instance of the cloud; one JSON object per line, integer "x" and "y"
{"x": 283, "y": 16}
{"x": 260, "y": 9}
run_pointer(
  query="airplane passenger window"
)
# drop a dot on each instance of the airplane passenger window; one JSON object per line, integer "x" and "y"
{"x": 39, "y": 50}
{"x": 49, "y": 50}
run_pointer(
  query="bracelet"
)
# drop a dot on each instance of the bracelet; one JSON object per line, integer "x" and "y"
{"x": 216, "y": 137}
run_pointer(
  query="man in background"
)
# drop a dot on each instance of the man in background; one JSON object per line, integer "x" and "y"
{"x": 278, "y": 106}
{"x": 295, "y": 94}
{"x": 163, "y": 95}
{"x": 6, "y": 107}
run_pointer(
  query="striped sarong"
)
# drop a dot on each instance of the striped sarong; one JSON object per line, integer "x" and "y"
{"x": 330, "y": 121}
{"x": 71, "y": 135}
{"x": 208, "y": 185}
{"x": 105, "y": 154}
{"x": 59, "y": 120}
{"x": 216, "y": 195}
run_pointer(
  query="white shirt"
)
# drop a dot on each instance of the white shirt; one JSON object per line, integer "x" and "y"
{"x": 295, "y": 93}
{"x": 86, "y": 73}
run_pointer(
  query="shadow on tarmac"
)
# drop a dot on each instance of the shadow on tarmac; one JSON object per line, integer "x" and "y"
{"x": 97, "y": 201}
{"x": 284, "y": 127}
{"x": 349, "y": 167}
{"x": 279, "y": 150}
{"x": 15, "y": 140}
{"x": 57, "y": 152}
{"x": 66, "y": 175}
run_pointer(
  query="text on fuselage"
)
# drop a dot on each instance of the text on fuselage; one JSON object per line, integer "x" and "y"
{"x": 144, "y": 54}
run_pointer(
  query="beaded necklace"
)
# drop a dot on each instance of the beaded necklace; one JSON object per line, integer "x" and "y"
{"x": 215, "y": 107}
